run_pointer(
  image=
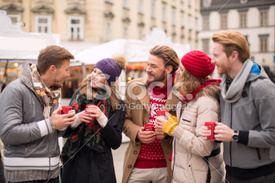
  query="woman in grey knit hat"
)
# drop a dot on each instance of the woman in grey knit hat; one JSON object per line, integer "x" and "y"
{"x": 87, "y": 155}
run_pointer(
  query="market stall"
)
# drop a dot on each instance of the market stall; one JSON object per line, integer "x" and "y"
{"x": 18, "y": 48}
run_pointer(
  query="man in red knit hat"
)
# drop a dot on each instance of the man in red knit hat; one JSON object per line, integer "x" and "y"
{"x": 146, "y": 158}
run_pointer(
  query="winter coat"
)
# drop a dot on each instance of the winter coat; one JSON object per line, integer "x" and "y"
{"x": 189, "y": 148}
{"x": 253, "y": 115}
{"x": 87, "y": 155}
{"x": 29, "y": 140}
{"x": 137, "y": 114}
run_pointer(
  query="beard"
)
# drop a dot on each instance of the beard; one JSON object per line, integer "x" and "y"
{"x": 160, "y": 78}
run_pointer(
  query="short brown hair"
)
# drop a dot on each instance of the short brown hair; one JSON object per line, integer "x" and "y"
{"x": 52, "y": 55}
{"x": 168, "y": 55}
{"x": 233, "y": 41}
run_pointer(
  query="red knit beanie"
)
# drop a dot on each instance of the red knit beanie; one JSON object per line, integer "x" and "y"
{"x": 198, "y": 63}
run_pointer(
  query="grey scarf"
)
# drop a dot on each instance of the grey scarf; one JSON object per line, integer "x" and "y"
{"x": 235, "y": 90}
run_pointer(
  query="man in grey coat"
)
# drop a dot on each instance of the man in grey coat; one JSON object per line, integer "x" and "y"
{"x": 30, "y": 124}
{"x": 247, "y": 105}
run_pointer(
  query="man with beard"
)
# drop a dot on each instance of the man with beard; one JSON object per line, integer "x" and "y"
{"x": 146, "y": 158}
{"x": 247, "y": 105}
{"x": 30, "y": 124}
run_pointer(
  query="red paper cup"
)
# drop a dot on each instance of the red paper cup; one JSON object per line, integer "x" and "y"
{"x": 211, "y": 126}
{"x": 161, "y": 113}
{"x": 149, "y": 127}
{"x": 89, "y": 105}
{"x": 65, "y": 109}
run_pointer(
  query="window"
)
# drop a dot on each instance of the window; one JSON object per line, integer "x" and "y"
{"x": 140, "y": 6}
{"x": 263, "y": 18}
{"x": 206, "y": 3}
{"x": 182, "y": 39}
{"x": 76, "y": 28}
{"x": 108, "y": 33}
{"x": 173, "y": 16}
{"x": 173, "y": 38}
{"x": 197, "y": 24}
{"x": 182, "y": 19}
{"x": 205, "y": 45}
{"x": 163, "y": 12}
{"x": 223, "y": 21}
{"x": 153, "y": 9}
{"x": 15, "y": 18}
{"x": 126, "y": 4}
{"x": 189, "y": 22}
{"x": 205, "y": 22}
{"x": 109, "y": 1}
{"x": 43, "y": 24}
{"x": 263, "y": 43}
{"x": 125, "y": 32}
{"x": 243, "y": 19}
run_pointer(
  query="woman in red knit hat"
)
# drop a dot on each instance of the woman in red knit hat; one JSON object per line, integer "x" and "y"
{"x": 194, "y": 159}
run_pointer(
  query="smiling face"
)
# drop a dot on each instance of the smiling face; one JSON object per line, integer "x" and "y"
{"x": 61, "y": 74}
{"x": 221, "y": 61}
{"x": 98, "y": 79}
{"x": 156, "y": 70}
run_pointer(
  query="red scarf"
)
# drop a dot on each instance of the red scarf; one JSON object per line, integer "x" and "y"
{"x": 189, "y": 97}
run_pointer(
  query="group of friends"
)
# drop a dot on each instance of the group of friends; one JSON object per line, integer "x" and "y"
{"x": 178, "y": 150}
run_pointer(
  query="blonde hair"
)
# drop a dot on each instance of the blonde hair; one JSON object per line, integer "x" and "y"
{"x": 233, "y": 41}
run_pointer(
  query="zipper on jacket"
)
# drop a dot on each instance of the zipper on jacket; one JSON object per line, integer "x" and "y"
{"x": 231, "y": 141}
{"x": 258, "y": 153}
{"x": 174, "y": 157}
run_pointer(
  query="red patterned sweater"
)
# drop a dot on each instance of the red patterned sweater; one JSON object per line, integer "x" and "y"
{"x": 151, "y": 155}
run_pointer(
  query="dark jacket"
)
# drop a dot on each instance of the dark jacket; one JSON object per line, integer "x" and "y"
{"x": 96, "y": 162}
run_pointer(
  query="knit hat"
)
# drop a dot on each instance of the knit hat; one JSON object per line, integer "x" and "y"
{"x": 112, "y": 67}
{"x": 198, "y": 63}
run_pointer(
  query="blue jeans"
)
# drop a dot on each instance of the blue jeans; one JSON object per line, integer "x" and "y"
{"x": 55, "y": 180}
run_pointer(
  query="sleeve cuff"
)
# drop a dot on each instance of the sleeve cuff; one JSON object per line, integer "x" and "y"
{"x": 170, "y": 126}
{"x": 46, "y": 126}
{"x": 76, "y": 122}
{"x": 137, "y": 139}
{"x": 243, "y": 137}
{"x": 102, "y": 120}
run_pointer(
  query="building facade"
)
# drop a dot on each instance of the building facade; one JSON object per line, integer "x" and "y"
{"x": 253, "y": 18}
{"x": 95, "y": 21}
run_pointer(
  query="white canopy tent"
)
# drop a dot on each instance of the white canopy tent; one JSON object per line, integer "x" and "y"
{"x": 134, "y": 50}
{"x": 15, "y": 44}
